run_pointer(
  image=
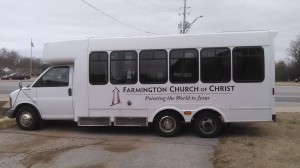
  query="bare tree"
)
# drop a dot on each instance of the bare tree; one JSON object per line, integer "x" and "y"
{"x": 294, "y": 52}
{"x": 281, "y": 71}
{"x": 17, "y": 63}
{"x": 9, "y": 59}
{"x": 23, "y": 65}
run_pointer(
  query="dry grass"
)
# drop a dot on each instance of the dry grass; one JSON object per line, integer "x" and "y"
{"x": 3, "y": 122}
{"x": 7, "y": 123}
{"x": 265, "y": 144}
{"x": 2, "y": 109}
{"x": 287, "y": 84}
{"x": 2, "y": 103}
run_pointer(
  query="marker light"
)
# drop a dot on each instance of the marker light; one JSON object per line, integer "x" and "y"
{"x": 187, "y": 113}
{"x": 10, "y": 102}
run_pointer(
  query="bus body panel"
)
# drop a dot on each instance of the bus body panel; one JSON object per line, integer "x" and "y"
{"x": 235, "y": 102}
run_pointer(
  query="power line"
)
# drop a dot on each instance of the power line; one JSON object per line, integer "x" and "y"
{"x": 174, "y": 10}
{"x": 138, "y": 6}
{"x": 117, "y": 19}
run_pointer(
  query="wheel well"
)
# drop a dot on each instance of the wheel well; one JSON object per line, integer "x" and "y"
{"x": 169, "y": 111}
{"x": 208, "y": 111}
{"x": 29, "y": 105}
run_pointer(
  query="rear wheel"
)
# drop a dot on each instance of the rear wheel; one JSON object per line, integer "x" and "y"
{"x": 27, "y": 118}
{"x": 208, "y": 125}
{"x": 168, "y": 124}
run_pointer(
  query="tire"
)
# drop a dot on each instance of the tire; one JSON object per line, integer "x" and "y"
{"x": 208, "y": 125}
{"x": 27, "y": 118}
{"x": 167, "y": 124}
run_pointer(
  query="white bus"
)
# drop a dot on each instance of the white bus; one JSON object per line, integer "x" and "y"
{"x": 206, "y": 80}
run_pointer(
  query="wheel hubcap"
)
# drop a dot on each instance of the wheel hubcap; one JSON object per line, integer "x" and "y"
{"x": 26, "y": 119}
{"x": 207, "y": 125}
{"x": 167, "y": 124}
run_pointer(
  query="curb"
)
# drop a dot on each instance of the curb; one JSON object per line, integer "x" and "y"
{"x": 16, "y": 80}
{"x": 287, "y": 109}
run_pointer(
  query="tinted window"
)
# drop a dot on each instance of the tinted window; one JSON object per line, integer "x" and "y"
{"x": 123, "y": 67}
{"x": 153, "y": 66}
{"x": 248, "y": 64}
{"x": 215, "y": 65}
{"x": 54, "y": 77}
{"x": 98, "y": 68}
{"x": 184, "y": 66}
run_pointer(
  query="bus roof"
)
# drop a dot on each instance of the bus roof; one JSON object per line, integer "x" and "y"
{"x": 67, "y": 51}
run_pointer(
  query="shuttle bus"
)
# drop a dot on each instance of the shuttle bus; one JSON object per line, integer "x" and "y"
{"x": 164, "y": 81}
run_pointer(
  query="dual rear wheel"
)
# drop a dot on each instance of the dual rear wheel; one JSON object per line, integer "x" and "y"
{"x": 207, "y": 125}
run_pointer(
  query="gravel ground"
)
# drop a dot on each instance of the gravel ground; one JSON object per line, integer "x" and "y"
{"x": 63, "y": 144}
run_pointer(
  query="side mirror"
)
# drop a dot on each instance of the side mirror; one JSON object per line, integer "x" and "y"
{"x": 20, "y": 84}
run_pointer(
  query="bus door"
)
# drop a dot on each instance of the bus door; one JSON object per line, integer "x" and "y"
{"x": 54, "y": 93}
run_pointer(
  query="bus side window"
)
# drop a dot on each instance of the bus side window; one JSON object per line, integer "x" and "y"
{"x": 215, "y": 65}
{"x": 184, "y": 66}
{"x": 153, "y": 67}
{"x": 248, "y": 64}
{"x": 123, "y": 67}
{"x": 98, "y": 68}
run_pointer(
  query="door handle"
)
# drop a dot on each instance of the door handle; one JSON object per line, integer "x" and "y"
{"x": 70, "y": 92}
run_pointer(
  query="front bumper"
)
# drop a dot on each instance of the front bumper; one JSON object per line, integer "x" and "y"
{"x": 10, "y": 113}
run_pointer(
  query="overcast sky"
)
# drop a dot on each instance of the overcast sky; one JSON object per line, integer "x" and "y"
{"x": 56, "y": 20}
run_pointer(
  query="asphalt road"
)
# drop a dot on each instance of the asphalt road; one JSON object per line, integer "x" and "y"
{"x": 63, "y": 144}
{"x": 7, "y": 86}
{"x": 290, "y": 94}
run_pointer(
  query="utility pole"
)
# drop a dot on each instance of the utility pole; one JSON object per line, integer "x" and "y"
{"x": 184, "y": 17}
{"x": 30, "y": 68}
{"x": 185, "y": 26}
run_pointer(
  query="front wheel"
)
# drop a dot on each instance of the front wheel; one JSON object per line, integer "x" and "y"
{"x": 208, "y": 125}
{"x": 168, "y": 124}
{"x": 27, "y": 118}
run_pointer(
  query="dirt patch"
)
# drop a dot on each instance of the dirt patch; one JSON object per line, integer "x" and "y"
{"x": 42, "y": 157}
{"x": 46, "y": 156}
{"x": 119, "y": 147}
{"x": 98, "y": 165}
{"x": 265, "y": 144}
